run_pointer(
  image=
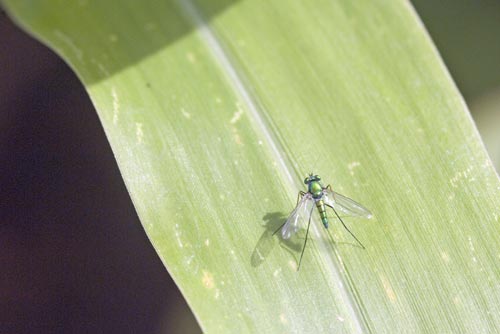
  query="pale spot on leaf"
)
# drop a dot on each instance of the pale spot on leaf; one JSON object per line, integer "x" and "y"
{"x": 185, "y": 114}
{"x": 237, "y": 115}
{"x": 351, "y": 166}
{"x": 116, "y": 105}
{"x": 191, "y": 57}
{"x": 208, "y": 280}
{"x": 388, "y": 289}
{"x": 138, "y": 132}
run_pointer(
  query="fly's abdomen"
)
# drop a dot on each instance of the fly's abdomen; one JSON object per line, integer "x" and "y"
{"x": 322, "y": 212}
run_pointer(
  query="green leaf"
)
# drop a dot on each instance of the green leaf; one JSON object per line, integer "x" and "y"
{"x": 217, "y": 110}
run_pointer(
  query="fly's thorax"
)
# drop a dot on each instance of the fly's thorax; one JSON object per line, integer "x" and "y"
{"x": 315, "y": 189}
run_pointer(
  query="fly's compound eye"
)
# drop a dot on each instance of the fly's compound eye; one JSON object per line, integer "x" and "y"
{"x": 317, "y": 177}
{"x": 306, "y": 180}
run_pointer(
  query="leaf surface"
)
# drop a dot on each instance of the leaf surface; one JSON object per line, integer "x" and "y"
{"x": 216, "y": 110}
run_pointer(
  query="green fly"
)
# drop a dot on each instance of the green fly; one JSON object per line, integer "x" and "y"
{"x": 322, "y": 197}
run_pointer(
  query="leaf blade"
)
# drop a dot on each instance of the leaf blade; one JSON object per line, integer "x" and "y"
{"x": 203, "y": 165}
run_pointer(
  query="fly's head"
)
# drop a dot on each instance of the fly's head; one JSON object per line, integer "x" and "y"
{"x": 312, "y": 178}
{"x": 314, "y": 185}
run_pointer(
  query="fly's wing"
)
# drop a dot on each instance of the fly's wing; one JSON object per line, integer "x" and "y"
{"x": 298, "y": 218}
{"x": 345, "y": 204}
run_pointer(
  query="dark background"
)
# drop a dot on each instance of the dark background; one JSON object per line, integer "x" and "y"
{"x": 73, "y": 255}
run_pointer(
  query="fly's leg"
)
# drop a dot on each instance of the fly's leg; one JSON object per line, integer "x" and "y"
{"x": 329, "y": 187}
{"x": 307, "y": 234}
{"x": 359, "y": 242}
{"x": 299, "y": 197}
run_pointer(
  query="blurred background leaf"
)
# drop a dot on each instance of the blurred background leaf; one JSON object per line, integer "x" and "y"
{"x": 466, "y": 35}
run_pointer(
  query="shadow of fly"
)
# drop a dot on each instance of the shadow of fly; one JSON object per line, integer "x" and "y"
{"x": 321, "y": 197}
